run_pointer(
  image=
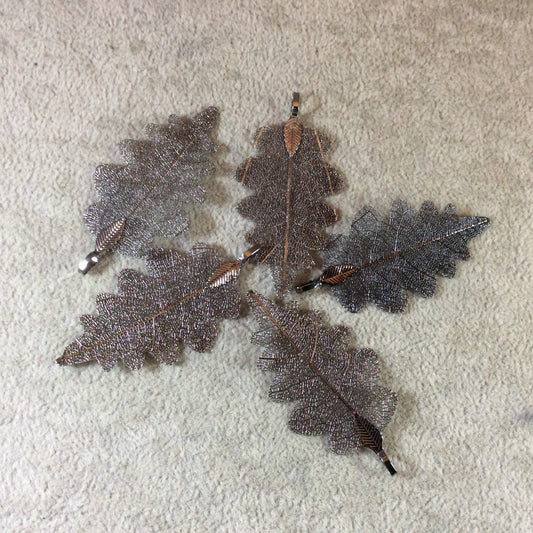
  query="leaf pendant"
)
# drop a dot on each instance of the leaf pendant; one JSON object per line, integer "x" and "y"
{"x": 180, "y": 301}
{"x": 382, "y": 258}
{"x": 144, "y": 198}
{"x": 290, "y": 177}
{"x": 336, "y": 387}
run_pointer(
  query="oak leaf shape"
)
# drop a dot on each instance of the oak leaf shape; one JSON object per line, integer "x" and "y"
{"x": 180, "y": 301}
{"x": 337, "y": 387}
{"x": 144, "y": 198}
{"x": 382, "y": 258}
{"x": 290, "y": 177}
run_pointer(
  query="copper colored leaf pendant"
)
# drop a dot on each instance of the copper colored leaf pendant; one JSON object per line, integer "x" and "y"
{"x": 382, "y": 258}
{"x": 180, "y": 301}
{"x": 290, "y": 178}
{"x": 144, "y": 198}
{"x": 336, "y": 387}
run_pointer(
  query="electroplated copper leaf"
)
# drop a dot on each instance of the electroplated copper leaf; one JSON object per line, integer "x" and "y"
{"x": 290, "y": 177}
{"x": 178, "y": 302}
{"x": 382, "y": 258}
{"x": 337, "y": 387}
{"x": 144, "y": 198}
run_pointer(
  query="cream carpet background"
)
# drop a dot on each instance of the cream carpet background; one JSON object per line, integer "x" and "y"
{"x": 424, "y": 100}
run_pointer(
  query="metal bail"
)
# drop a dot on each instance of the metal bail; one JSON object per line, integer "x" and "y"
{"x": 89, "y": 262}
{"x": 309, "y": 285}
{"x": 295, "y": 104}
{"x": 251, "y": 252}
{"x": 386, "y": 461}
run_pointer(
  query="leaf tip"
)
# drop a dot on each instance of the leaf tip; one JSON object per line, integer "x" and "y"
{"x": 484, "y": 222}
{"x": 65, "y": 359}
{"x": 256, "y": 301}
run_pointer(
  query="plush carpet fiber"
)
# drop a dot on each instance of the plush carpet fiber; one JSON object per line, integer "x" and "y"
{"x": 423, "y": 100}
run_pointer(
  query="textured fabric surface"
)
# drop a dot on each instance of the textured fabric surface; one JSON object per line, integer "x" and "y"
{"x": 422, "y": 100}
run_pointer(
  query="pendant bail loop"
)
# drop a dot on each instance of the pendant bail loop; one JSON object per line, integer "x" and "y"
{"x": 295, "y": 104}
{"x": 251, "y": 252}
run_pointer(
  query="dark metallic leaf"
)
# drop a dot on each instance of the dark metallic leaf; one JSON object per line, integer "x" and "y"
{"x": 289, "y": 177}
{"x": 144, "y": 198}
{"x": 382, "y": 258}
{"x": 337, "y": 388}
{"x": 178, "y": 302}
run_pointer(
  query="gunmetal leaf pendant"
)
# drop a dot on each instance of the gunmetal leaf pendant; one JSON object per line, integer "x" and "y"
{"x": 382, "y": 258}
{"x": 290, "y": 178}
{"x": 180, "y": 301}
{"x": 336, "y": 387}
{"x": 145, "y": 198}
